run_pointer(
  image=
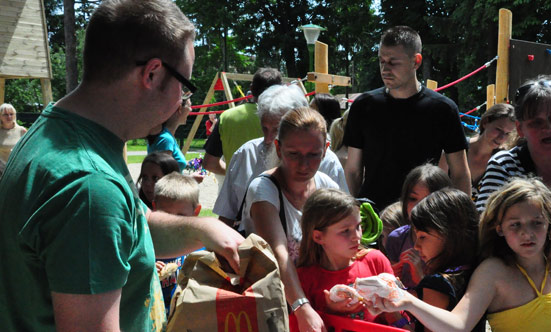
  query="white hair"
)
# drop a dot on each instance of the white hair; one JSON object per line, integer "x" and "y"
{"x": 279, "y": 99}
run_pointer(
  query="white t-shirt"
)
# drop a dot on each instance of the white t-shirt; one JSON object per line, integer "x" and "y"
{"x": 248, "y": 162}
{"x": 262, "y": 189}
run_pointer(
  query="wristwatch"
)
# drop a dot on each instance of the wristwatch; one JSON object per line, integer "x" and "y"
{"x": 299, "y": 303}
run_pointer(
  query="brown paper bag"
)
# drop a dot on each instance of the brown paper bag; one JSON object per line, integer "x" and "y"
{"x": 209, "y": 299}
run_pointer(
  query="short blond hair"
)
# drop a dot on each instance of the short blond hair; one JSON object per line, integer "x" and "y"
{"x": 177, "y": 187}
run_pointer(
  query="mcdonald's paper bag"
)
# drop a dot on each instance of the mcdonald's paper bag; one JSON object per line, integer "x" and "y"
{"x": 209, "y": 299}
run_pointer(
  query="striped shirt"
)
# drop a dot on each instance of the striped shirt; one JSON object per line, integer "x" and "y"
{"x": 503, "y": 166}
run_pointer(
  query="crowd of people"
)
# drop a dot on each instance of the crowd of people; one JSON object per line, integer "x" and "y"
{"x": 465, "y": 222}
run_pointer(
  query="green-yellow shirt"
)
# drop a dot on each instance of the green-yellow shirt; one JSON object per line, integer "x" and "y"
{"x": 72, "y": 222}
{"x": 237, "y": 126}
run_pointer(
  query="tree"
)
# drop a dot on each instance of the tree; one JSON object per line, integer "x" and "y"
{"x": 71, "y": 67}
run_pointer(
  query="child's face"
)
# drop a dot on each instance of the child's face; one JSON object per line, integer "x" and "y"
{"x": 429, "y": 244}
{"x": 341, "y": 240}
{"x": 178, "y": 207}
{"x": 151, "y": 173}
{"x": 418, "y": 192}
{"x": 525, "y": 228}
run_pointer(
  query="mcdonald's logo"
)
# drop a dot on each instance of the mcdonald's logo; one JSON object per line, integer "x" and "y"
{"x": 237, "y": 322}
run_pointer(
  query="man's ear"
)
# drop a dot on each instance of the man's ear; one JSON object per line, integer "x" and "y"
{"x": 151, "y": 70}
{"x": 418, "y": 60}
{"x": 499, "y": 230}
{"x": 153, "y": 205}
{"x": 317, "y": 236}
{"x": 197, "y": 210}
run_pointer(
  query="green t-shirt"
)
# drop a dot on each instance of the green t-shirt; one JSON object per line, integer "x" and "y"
{"x": 72, "y": 222}
{"x": 237, "y": 126}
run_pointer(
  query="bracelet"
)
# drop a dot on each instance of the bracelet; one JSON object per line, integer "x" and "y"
{"x": 299, "y": 303}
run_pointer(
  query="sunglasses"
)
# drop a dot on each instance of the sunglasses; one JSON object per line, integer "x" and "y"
{"x": 185, "y": 82}
{"x": 521, "y": 92}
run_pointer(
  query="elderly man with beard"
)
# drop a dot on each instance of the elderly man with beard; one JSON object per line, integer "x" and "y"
{"x": 259, "y": 155}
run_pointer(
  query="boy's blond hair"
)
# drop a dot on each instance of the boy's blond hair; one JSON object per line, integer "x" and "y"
{"x": 177, "y": 187}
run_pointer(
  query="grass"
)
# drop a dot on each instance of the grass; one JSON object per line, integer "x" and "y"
{"x": 207, "y": 213}
{"x": 139, "y": 159}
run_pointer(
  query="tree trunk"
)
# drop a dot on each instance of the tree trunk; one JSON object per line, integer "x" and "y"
{"x": 71, "y": 69}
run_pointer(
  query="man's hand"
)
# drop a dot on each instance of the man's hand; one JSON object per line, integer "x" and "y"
{"x": 223, "y": 240}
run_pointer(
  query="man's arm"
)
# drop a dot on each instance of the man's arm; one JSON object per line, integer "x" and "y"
{"x": 176, "y": 236}
{"x": 459, "y": 171}
{"x": 214, "y": 164}
{"x": 354, "y": 170}
{"x": 87, "y": 312}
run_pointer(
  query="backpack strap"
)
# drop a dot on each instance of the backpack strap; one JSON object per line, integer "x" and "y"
{"x": 281, "y": 206}
{"x": 239, "y": 216}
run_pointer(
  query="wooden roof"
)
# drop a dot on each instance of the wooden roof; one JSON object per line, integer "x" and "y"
{"x": 23, "y": 40}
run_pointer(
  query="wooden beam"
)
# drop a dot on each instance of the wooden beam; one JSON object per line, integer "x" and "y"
{"x": 227, "y": 90}
{"x": 2, "y": 89}
{"x": 46, "y": 85}
{"x": 321, "y": 65}
{"x": 432, "y": 84}
{"x": 490, "y": 95}
{"x": 329, "y": 79}
{"x": 502, "y": 71}
{"x": 198, "y": 119}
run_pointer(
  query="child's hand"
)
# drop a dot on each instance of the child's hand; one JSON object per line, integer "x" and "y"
{"x": 197, "y": 176}
{"x": 159, "y": 265}
{"x": 384, "y": 305}
{"x": 412, "y": 258}
{"x": 342, "y": 307}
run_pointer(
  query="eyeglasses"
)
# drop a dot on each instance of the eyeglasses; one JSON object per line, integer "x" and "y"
{"x": 521, "y": 92}
{"x": 185, "y": 82}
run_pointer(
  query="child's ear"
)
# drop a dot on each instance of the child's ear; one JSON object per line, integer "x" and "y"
{"x": 277, "y": 147}
{"x": 317, "y": 236}
{"x": 197, "y": 210}
{"x": 499, "y": 231}
{"x": 153, "y": 206}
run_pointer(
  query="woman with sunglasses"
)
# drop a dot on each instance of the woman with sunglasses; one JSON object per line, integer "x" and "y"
{"x": 532, "y": 155}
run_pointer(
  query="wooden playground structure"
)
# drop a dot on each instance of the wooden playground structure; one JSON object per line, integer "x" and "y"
{"x": 24, "y": 51}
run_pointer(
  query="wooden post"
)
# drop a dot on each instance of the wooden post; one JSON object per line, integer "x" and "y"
{"x": 227, "y": 90}
{"x": 432, "y": 84}
{"x": 490, "y": 95}
{"x": 2, "y": 89}
{"x": 503, "y": 41}
{"x": 198, "y": 119}
{"x": 321, "y": 65}
{"x": 46, "y": 85}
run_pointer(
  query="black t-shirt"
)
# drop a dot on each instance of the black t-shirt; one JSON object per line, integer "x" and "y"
{"x": 213, "y": 145}
{"x": 397, "y": 135}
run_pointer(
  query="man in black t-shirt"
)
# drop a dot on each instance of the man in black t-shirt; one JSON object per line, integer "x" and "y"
{"x": 393, "y": 129}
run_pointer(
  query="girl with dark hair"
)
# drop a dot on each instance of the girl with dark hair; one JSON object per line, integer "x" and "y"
{"x": 446, "y": 227}
{"x": 154, "y": 166}
{"x": 419, "y": 183}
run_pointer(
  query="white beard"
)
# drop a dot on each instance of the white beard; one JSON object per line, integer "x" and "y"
{"x": 271, "y": 159}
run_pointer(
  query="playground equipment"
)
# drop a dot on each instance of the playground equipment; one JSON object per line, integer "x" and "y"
{"x": 517, "y": 61}
{"x": 24, "y": 45}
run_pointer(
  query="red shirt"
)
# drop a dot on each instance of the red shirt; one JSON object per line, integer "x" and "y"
{"x": 314, "y": 279}
{"x": 208, "y": 124}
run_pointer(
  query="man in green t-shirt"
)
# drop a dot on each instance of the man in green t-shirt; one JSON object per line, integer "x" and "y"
{"x": 77, "y": 246}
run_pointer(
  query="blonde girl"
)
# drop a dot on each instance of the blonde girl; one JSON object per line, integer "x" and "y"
{"x": 512, "y": 283}
{"x": 330, "y": 254}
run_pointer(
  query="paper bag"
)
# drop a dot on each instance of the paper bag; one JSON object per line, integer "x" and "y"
{"x": 209, "y": 299}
